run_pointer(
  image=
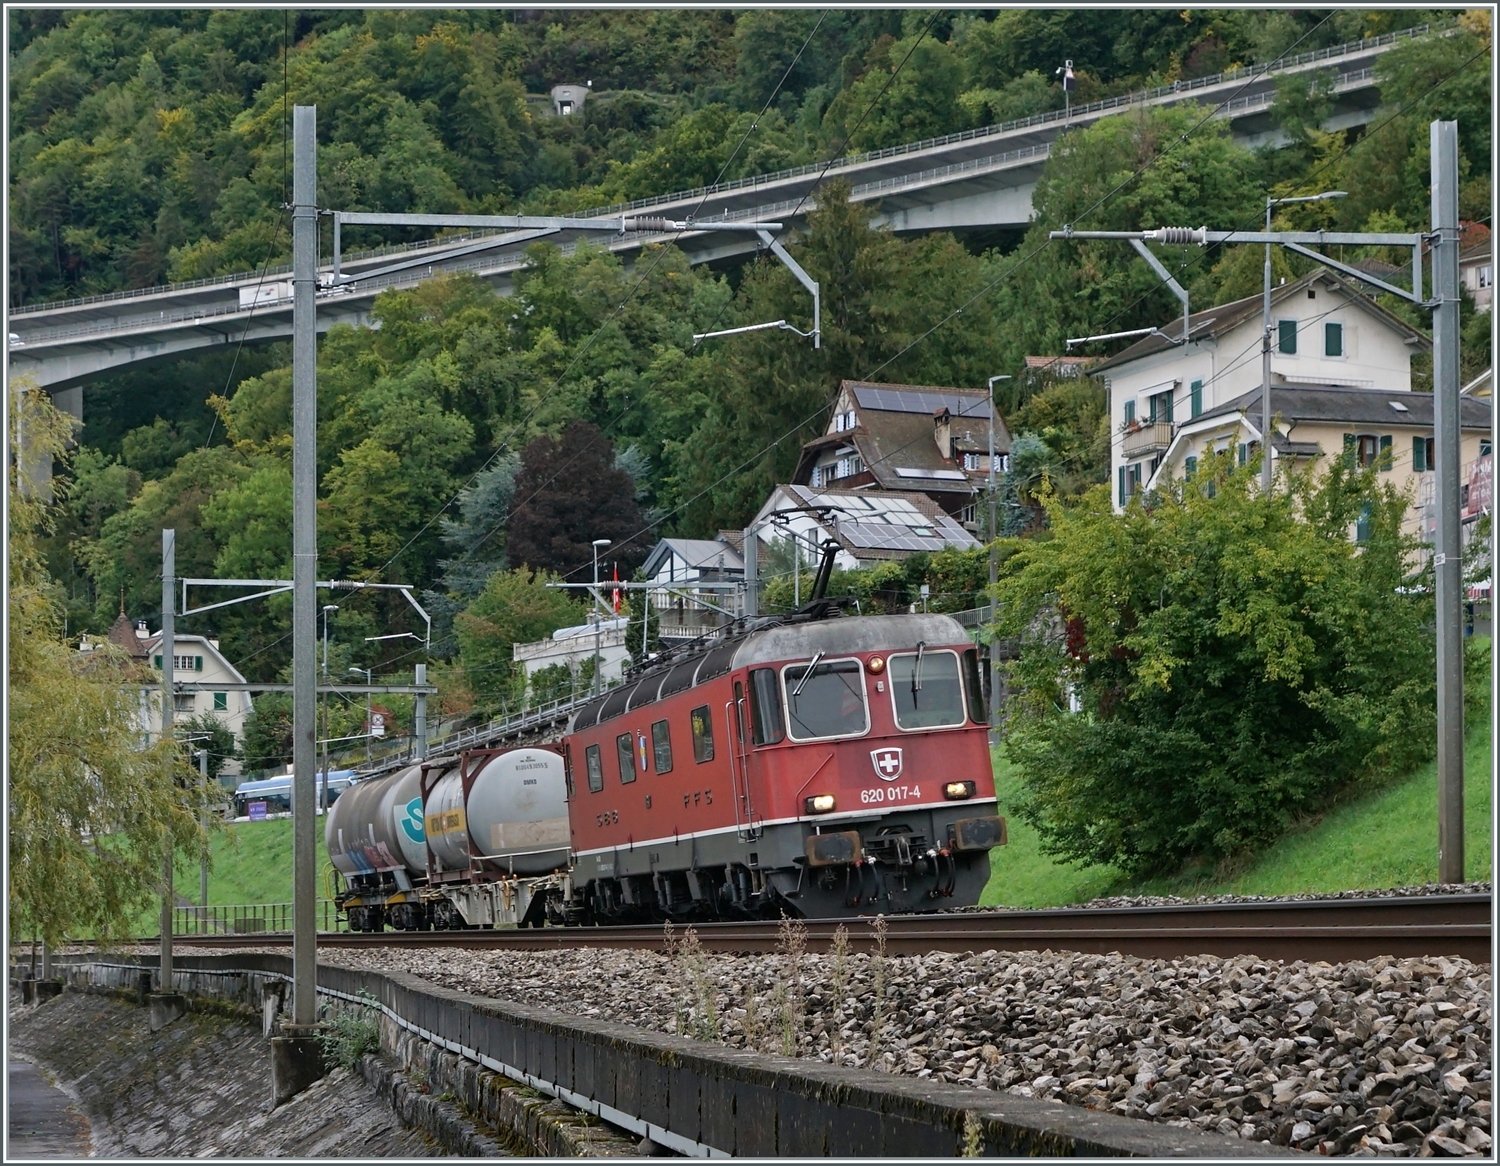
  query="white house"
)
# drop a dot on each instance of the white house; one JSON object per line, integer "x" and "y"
{"x": 572, "y": 646}
{"x": 1325, "y": 334}
{"x": 676, "y": 567}
{"x": 196, "y": 660}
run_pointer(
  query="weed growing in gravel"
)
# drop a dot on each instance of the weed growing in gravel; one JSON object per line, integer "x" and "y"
{"x": 877, "y": 1012}
{"x": 840, "y": 980}
{"x": 352, "y": 1034}
{"x": 694, "y": 961}
{"x": 754, "y": 1036}
{"x": 791, "y": 941}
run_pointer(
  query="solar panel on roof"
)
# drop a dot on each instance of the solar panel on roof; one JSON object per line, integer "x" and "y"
{"x": 908, "y": 401}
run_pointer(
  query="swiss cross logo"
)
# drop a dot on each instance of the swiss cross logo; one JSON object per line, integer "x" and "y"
{"x": 887, "y": 763}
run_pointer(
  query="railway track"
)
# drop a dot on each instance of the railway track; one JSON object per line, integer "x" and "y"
{"x": 1332, "y": 930}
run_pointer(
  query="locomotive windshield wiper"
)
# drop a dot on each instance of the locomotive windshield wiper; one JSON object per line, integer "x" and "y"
{"x": 801, "y": 684}
{"x": 916, "y": 673}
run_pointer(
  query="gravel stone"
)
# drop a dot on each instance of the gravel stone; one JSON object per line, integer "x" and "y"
{"x": 1386, "y": 1057}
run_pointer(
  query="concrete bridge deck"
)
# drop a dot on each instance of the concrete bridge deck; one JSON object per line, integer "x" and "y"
{"x": 979, "y": 178}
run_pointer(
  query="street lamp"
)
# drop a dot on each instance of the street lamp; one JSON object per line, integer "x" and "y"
{"x": 598, "y": 632}
{"x": 369, "y": 706}
{"x": 323, "y": 792}
{"x": 1066, "y": 73}
{"x": 1265, "y": 342}
{"x": 994, "y": 572}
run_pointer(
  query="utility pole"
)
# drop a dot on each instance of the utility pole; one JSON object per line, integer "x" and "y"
{"x": 994, "y": 533}
{"x": 203, "y": 823}
{"x": 168, "y": 646}
{"x": 598, "y": 629}
{"x": 304, "y": 563}
{"x": 420, "y": 728}
{"x": 1447, "y": 554}
{"x": 323, "y": 785}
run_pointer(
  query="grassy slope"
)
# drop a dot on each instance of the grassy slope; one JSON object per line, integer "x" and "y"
{"x": 251, "y": 863}
{"x": 1384, "y": 839}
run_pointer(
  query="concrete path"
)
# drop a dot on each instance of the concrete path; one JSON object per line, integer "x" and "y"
{"x": 44, "y": 1123}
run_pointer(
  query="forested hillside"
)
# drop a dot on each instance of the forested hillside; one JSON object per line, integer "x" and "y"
{"x": 149, "y": 146}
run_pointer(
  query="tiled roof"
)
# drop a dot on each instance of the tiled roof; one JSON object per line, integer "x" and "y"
{"x": 1352, "y": 407}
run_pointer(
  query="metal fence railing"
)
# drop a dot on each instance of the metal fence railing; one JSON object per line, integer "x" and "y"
{"x": 248, "y": 918}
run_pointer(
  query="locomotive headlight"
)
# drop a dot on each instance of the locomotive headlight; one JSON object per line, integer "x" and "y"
{"x": 876, "y": 665}
{"x": 958, "y": 790}
{"x": 819, "y": 804}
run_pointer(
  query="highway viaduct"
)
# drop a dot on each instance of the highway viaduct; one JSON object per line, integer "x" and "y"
{"x": 980, "y": 178}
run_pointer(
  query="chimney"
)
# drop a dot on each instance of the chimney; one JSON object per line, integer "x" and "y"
{"x": 942, "y": 432}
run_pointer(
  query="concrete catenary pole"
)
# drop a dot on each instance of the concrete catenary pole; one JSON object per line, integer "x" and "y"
{"x": 167, "y": 648}
{"x": 1448, "y": 555}
{"x": 421, "y": 726}
{"x": 203, "y": 822}
{"x": 304, "y": 563}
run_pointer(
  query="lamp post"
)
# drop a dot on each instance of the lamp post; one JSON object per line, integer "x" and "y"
{"x": 1265, "y": 340}
{"x": 323, "y": 788}
{"x": 1066, "y": 73}
{"x": 419, "y": 713}
{"x": 994, "y": 572}
{"x": 368, "y": 674}
{"x": 598, "y": 631}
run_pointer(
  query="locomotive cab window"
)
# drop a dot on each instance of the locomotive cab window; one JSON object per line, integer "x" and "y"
{"x": 703, "y": 734}
{"x": 974, "y": 688}
{"x": 825, "y": 699}
{"x": 765, "y": 707}
{"x": 661, "y": 746}
{"x": 595, "y": 767}
{"x": 625, "y": 754}
{"x": 926, "y": 690}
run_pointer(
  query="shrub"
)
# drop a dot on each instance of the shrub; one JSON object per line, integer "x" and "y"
{"x": 1235, "y": 660}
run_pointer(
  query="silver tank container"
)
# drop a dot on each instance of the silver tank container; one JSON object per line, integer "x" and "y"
{"x": 516, "y": 818}
{"x": 375, "y": 826}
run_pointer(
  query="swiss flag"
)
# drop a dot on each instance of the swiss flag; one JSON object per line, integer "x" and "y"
{"x": 617, "y": 590}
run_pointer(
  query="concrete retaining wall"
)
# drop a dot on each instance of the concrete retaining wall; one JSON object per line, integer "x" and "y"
{"x": 703, "y": 1099}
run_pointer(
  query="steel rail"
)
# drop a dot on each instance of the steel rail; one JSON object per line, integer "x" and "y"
{"x": 1333, "y": 930}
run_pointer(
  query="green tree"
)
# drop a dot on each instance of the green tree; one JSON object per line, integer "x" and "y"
{"x": 1236, "y": 661}
{"x": 93, "y": 810}
{"x": 515, "y": 607}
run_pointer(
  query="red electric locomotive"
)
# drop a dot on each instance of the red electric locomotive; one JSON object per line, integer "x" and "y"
{"x": 816, "y": 766}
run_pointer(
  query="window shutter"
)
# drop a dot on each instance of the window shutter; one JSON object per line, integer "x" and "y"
{"x": 1122, "y": 485}
{"x": 1167, "y": 397}
{"x": 1242, "y": 453}
{"x": 1351, "y": 445}
{"x": 1286, "y": 333}
{"x": 1419, "y": 454}
{"x": 1333, "y": 339}
{"x": 1190, "y": 466}
{"x": 1196, "y": 394}
{"x": 197, "y": 663}
{"x": 1129, "y": 412}
{"x": 221, "y": 702}
{"x": 1385, "y": 449}
{"x": 156, "y": 662}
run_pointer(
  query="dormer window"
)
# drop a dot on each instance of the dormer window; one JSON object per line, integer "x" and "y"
{"x": 843, "y": 422}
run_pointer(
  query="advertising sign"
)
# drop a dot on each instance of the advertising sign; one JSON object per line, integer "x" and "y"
{"x": 1481, "y": 486}
{"x": 257, "y": 811}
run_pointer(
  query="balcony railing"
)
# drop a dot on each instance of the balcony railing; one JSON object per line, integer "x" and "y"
{"x": 1146, "y": 439}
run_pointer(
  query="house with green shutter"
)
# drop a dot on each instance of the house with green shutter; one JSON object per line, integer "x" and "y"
{"x": 1340, "y": 376}
{"x": 196, "y": 661}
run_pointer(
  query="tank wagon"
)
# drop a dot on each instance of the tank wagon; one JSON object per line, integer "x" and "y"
{"x": 815, "y": 766}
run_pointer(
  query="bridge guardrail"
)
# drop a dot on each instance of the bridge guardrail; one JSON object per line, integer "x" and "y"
{"x": 1126, "y": 99}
